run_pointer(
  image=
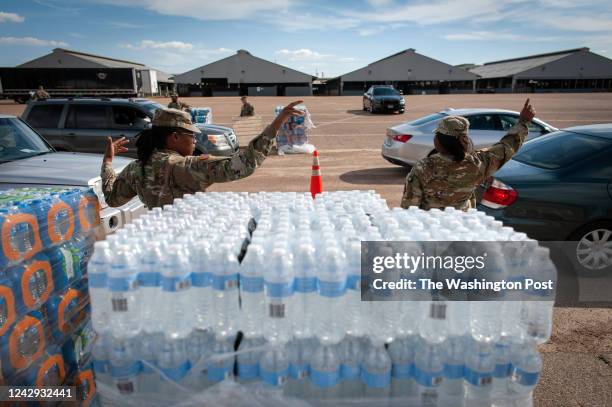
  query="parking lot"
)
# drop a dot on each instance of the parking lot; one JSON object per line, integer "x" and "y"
{"x": 578, "y": 359}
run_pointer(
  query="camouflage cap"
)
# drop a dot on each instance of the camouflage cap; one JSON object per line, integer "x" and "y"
{"x": 174, "y": 118}
{"x": 454, "y": 126}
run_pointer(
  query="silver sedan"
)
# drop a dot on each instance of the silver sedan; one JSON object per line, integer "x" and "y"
{"x": 407, "y": 143}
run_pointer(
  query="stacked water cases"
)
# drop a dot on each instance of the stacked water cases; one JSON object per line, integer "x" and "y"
{"x": 201, "y": 115}
{"x": 46, "y": 242}
{"x": 294, "y": 132}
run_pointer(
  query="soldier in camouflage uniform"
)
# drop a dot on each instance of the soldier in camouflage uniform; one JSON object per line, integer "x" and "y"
{"x": 247, "y": 108}
{"x": 449, "y": 177}
{"x": 41, "y": 93}
{"x": 175, "y": 104}
{"x": 166, "y": 169}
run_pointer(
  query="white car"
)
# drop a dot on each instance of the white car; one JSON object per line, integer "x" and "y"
{"x": 407, "y": 143}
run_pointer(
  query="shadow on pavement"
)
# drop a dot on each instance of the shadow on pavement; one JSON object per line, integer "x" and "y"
{"x": 359, "y": 112}
{"x": 381, "y": 176}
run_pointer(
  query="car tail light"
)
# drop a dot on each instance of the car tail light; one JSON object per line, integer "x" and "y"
{"x": 498, "y": 195}
{"x": 402, "y": 138}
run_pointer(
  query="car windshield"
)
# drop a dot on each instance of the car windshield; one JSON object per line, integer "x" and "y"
{"x": 18, "y": 141}
{"x": 151, "y": 107}
{"x": 427, "y": 119}
{"x": 560, "y": 149}
{"x": 385, "y": 92}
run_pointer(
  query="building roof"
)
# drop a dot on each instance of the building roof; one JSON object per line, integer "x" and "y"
{"x": 511, "y": 67}
{"x": 98, "y": 59}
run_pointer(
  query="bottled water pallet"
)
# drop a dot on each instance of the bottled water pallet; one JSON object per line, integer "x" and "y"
{"x": 47, "y": 239}
{"x": 177, "y": 312}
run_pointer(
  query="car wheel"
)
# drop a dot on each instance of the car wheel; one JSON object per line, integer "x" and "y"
{"x": 592, "y": 254}
{"x": 365, "y": 109}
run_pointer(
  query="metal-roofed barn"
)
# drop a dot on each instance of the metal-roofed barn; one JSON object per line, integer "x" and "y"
{"x": 244, "y": 74}
{"x": 573, "y": 70}
{"x": 150, "y": 81}
{"x": 407, "y": 71}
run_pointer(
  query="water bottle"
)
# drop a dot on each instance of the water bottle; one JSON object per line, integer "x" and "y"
{"x": 299, "y": 352}
{"x": 221, "y": 366}
{"x": 279, "y": 280}
{"x": 538, "y": 309}
{"x": 434, "y": 321}
{"x": 124, "y": 317}
{"x": 98, "y": 293}
{"x": 429, "y": 371}
{"x": 479, "y": 368}
{"x": 503, "y": 367}
{"x": 124, "y": 366}
{"x": 331, "y": 278}
{"x": 354, "y": 309}
{"x": 148, "y": 351}
{"x": 173, "y": 363}
{"x": 252, "y": 295}
{"x": 101, "y": 362}
{"x": 305, "y": 294}
{"x": 454, "y": 366}
{"x": 401, "y": 351}
{"x": 350, "y": 352}
{"x": 149, "y": 280}
{"x": 526, "y": 368}
{"x": 201, "y": 289}
{"x": 274, "y": 366}
{"x": 198, "y": 349}
{"x": 226, "y": 311}
{"x": 325, "y": 371}
{"x": 376, "y": 371}
{"x": 248, "y": 359}
{"x": 176, "y": 313}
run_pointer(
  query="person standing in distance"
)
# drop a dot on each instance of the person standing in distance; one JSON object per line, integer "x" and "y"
{"x": 247, "y": 108}
{"x": 41, "y": 93}
{"x": 175, "y": 104}
{"x": 166, "y": 169}
{"x": 450, "y": 177}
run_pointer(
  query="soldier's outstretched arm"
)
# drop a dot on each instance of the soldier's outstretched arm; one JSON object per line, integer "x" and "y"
{"x": 494, "y": 157}
{"x": 117, "y": 189}
{"x": 413, "y": 190}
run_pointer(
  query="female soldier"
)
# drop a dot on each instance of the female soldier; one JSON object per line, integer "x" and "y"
{"x": 166, "y": 169}
{"x": 449, "y": 177}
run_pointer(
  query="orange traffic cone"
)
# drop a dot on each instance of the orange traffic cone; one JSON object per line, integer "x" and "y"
{"x": 316, "y": 182}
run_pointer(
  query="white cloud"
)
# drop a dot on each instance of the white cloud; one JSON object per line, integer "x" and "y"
{"x": 578, "y": 23}
{"x": 122, "y": 24}
{"x": 378, "y": 3}
{"x": 481, "y": 36}
{"x": 149, "y": 44}
{"x": 302, "y": 54}
{"x": 31, "y": 41}
{"x": 207, "y": 9}
{"x": 10, "y": 18}
{"x": 307, "y": 21}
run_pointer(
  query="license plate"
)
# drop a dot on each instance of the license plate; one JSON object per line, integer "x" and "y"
{"x": 390, "y": 106}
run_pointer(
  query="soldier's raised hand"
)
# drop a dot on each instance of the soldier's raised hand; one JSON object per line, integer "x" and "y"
{"x": 286, "y": 113}
{"x": 114, "y": 147}
{"x": 528, "y": 112}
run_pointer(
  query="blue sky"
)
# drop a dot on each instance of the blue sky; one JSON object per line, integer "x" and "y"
{"x": 313, "y": 36}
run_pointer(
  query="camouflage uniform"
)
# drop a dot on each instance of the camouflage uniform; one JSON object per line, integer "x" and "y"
{"x": 438, "y": 181}
{"x": 247, "y": 110}
{"x": 169, "y": 175}
{"x": 178, "y": 105}
{"x": 41, "y": 94}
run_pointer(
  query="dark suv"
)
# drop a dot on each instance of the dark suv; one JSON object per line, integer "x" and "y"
{"x": 82, "y": 124}
{"x": 383, "y": 98}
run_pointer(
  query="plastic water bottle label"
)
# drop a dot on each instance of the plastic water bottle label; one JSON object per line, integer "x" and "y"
{"x": 525, "y": 378}
{"x": 305, "y": 284}
{"x": 201, "y": 279}
{"x": 125, "y": 371}
{"x": 147, "y": 367}
{"x": 332, "y": 288}
{"x": 125, "y": 386}
{"x": 274, "y": 378}
{"x": 68, "y": 263}
{"x": 122, "y": 284}
{"x": 437, "y": 311}
{"x": 325, "y": 379}
{"x": 279, "y": 290}
{"x": 298, "y": 371}
{"x": 428, "y": 379}
{"x": 502, "y": 370}
{"x": 176, "y": 373}
{"x": 149, "y": 279}
{"x": 101, "y": 366}
{"x": 248, "y": 370}
{"x": 97, "y": 280}
{"x": 429, "y": 397}
{"x": 175, "y": 284}
{"x": 119, "y": 304}
{"x": 353, "y": 282}
{"x": 251, "y": 284}
{"x": 349, "y": 372}
{"x": 224, "y": 283}
{"x": 452, "y": 371}
{"x": 219, "y": 373}
{"x": 478, "y": 379}
{"x": 378, "y": 380}
{"x": 402, "y": 371}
